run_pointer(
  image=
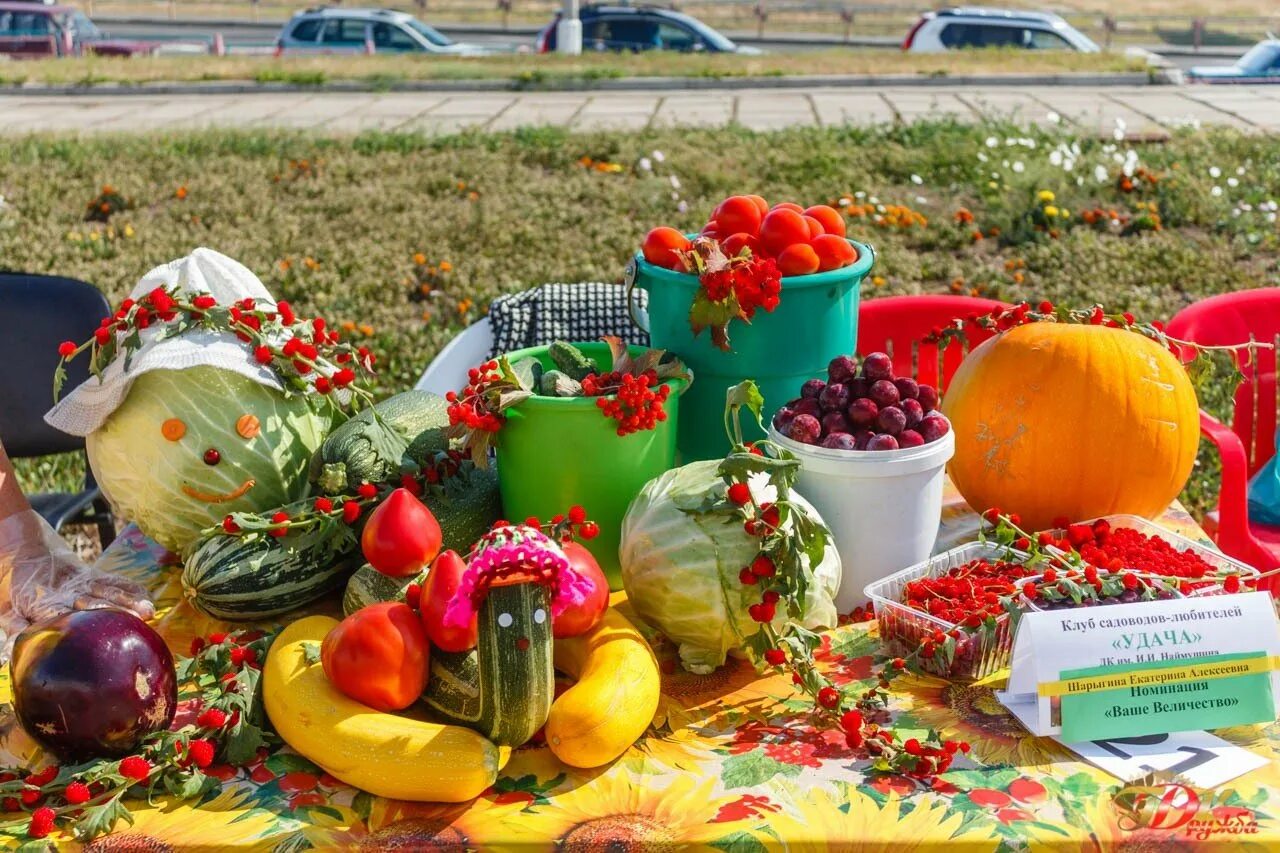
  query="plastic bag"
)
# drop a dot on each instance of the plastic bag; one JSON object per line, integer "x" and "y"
{"x": 41, "y": 578}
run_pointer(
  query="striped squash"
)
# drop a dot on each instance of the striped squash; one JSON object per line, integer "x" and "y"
{"x": 370, "y": 586}
{"x": 504, "y": 688}
{"x": 243, "y": 580}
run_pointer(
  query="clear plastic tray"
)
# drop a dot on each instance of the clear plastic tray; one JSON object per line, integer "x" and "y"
{"x": 902, "y": 629}
{"x": 1209, "y": 554}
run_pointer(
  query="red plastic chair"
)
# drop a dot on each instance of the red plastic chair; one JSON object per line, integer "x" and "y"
{"x": 1250, "y": 442}
{"x": 898, "y": 326}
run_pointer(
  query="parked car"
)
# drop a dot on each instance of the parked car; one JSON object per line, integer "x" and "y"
{"x": 637, "y": 28}
{"x": 1261, "y": 64}
{"x": 344, "y": 30}
{"x": 39, "y": 29}
{"x": 981, "y": 26}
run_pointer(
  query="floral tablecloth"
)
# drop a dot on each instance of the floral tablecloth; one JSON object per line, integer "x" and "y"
{"x": 730, "y": 763}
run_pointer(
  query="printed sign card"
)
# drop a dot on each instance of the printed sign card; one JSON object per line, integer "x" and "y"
{"x": 1130, "y": 670}
{"x": 1199, "y": 759}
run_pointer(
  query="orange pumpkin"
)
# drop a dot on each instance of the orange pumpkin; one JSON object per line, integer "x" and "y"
{"x": 1058, "y": 419}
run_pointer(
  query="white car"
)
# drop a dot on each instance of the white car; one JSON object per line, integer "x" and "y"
{"x": 981, "y": 26}
{"x": 338, "y": 29}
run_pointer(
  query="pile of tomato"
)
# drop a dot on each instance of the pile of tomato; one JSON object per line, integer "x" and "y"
{"x": 801, "y": 240}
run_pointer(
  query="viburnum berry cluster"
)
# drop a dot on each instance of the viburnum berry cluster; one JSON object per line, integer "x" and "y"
{"x": 789, "y": 544}
{"x": 86, "y": 800}
{"x": 469, "y": 408}
{"x": 731, "y": 288}
{"x": 1004, "y": 319}
{"x": 307, "y": 355}
{"x": 633, "y": 393}
{"x": 635, "y": 402}
{"x": 565, "y": 527}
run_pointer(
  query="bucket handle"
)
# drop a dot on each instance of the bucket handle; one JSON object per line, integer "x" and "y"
{"x": 629, "y": 277}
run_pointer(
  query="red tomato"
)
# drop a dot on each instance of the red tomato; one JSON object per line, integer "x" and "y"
{"x": 781, "y": 228}
{"x": 833, "y": 252}
{"x": 798, "y": 259}
{"x": 378, "y": 655}
{"x": 815, "y": 227}
{"x": 442, "y": 582}
{"x": 661, "y": 246}
{"x": 579, "y": 619}
{"x": 738, "y": 214}
{"x": 401, "y": 535}
{"x": 735, "y": 243}
{"x": 761, "y": 204}
{"x": 711, "y": 229}
{"x": 832, "y": 221}
{"x": 788, "y": 205}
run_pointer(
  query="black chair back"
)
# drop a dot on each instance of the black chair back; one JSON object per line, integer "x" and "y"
{"x": 38, "y": 312}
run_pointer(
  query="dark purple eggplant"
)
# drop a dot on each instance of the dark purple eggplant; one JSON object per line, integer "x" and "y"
{"x": 93, "y": 683}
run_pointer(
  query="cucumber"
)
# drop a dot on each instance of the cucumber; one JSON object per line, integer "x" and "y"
{"x": 375, "y": 444}
{"x": 240, "y": 580}
{"x": 504, "y": 688}
{"x": 370, "y": 586}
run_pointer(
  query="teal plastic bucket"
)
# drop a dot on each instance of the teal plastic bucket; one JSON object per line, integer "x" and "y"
{"x": 816, "y": 321}
{"x": 554, "y": 452}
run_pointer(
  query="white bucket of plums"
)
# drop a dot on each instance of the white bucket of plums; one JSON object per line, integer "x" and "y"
{"x": 873, "y": 449}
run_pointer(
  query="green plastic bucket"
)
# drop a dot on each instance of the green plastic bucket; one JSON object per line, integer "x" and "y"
{"x": 816, "y": 321}
{"x": 555, "y": 452}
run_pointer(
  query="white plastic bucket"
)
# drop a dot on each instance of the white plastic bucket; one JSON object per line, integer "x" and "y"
{"x": 883, "y": 506}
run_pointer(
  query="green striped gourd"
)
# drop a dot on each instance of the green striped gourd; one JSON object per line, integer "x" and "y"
{"x": 238, "y": 579}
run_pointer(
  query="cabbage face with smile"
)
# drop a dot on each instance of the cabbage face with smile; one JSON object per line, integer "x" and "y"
{"x": 187, "y": 447}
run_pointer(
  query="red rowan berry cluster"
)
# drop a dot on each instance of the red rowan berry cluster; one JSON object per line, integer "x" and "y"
{"x": 636, "y": 403}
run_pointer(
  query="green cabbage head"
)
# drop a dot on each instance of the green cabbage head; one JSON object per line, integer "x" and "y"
{"x": 680, "y": 569}
{"x": 152, "y": 457}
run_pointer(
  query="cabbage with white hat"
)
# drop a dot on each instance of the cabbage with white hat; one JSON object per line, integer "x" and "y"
{"x": 208, "y": 398}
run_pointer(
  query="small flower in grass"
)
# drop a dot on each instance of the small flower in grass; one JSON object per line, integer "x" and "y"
{"x": 181, "y": 192}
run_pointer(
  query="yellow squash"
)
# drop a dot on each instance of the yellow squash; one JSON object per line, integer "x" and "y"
{"x": 615, "y": 698}
{"x": 384, "y": 754}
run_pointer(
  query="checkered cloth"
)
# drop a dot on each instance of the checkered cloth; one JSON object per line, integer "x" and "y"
{"x": 565, "y": 312}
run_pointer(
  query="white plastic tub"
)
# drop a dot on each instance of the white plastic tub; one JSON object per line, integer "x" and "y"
{"x": 883, "y": 506}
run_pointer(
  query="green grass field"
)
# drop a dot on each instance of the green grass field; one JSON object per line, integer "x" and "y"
{"x": 334, "y": 225}
{"x": 528, "y": 70}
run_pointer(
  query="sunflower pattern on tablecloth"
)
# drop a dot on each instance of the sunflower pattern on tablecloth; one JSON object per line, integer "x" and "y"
{"x": 730, "y": 763}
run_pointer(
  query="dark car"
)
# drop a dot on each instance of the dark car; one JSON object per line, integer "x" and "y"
{"x": 37, "y": 29}
{"x": 637, "y": 28}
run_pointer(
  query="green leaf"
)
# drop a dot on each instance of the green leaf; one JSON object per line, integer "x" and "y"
{"x": 242, "y": 744}
{"x": 311, "y": 652}
{"x": 362, "y": 805}
{"x": 740, "y": 842}
{"x": 704, "y": 313}
{"x": 746, "y": 395}
{"x": 753, "y": 768}
{"x": 100, "y": 819}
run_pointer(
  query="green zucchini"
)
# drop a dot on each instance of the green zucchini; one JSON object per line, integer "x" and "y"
{"x": 376, "y": 444}
{"x": 504, "y": 688}
{"x": 238, "y": 579}
{"x": 466, "y": 506}
{"x": 370, "y": 586}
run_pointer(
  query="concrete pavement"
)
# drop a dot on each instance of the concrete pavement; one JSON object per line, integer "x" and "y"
{"x": 1137, "y": 111}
